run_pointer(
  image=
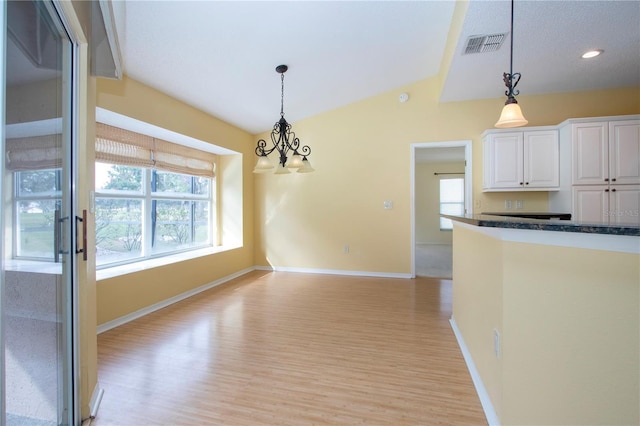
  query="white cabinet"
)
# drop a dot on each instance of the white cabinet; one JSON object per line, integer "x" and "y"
{"x": 613, "y": 204}
{"x": 624, "y": 152}
{"x": 521, "y": 160}
{"x": 606, "y": 152}
{"x": 606, "y": 171}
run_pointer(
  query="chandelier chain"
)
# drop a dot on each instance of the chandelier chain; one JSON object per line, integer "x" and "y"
{"x": 511, "y": 79}
{"x": 282, "y": 95}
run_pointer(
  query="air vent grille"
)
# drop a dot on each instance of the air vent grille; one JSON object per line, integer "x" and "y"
{"x": 484, "y": 43}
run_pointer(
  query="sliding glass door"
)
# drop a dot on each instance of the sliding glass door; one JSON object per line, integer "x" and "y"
{"x": 38, "y": 258}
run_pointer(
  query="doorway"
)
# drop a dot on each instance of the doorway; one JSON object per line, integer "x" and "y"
{"x": 441, "y": 181}
{"x": 37, "y": 337}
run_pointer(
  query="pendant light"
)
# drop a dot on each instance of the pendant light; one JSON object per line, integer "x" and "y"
{"x": 511, "y": 113}
{"x": 283, "y": 140}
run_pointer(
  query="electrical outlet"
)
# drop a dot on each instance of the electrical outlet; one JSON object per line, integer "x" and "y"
{"x": 507, "y": 204}
{"x": 345, "y": 249}
{"x": 519, "y": 204}
{"x": 496, "y": 343}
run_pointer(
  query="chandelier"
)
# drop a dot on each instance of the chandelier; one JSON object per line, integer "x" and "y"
{"x": 511, "y": 113}
{"x": 284, "y": 141}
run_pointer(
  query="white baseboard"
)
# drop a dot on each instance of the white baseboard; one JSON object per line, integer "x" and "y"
{"x": 334, "y": 272}
{"x": 487, "y": 406}
{"x": 96, "y": 399}
{"x": 163, "y": 304}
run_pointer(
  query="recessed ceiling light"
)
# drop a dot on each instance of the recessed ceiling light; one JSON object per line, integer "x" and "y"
{"x": 592, "y": 54}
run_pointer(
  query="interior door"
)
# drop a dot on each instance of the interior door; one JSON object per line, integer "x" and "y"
{"x": 37, "y": 307}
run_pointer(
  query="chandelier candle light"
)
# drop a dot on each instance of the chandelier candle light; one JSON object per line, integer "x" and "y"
{"x": 511, "y": 113}
{"x": 284, "y": 140}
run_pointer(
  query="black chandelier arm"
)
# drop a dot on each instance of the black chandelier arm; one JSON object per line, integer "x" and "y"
{"x": 305, "y": 151}
{"x": 260, "y": 149}
{"x": 511, "y": 81}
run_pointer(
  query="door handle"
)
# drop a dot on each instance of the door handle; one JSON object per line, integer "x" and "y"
{"x": 82, "y": 220}
{"x": 58, "y": 247}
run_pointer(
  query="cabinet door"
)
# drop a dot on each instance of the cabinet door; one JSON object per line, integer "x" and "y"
{"x": 591, "y": 203}
{"x": 624, "y": 204}
{"x": 624, "y": 152}
{"x": 541, "y": 159}
{"x": 505, "y": 166}
{"x": 590, "y": 153}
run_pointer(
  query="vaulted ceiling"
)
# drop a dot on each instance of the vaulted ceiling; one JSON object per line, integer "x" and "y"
{"x": 220, "y": 56}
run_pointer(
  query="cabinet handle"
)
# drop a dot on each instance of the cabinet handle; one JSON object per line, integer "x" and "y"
{"x": 606, "y": 190}
{"x": 606, "y": 179}
{"x": 613, "y": 180}
{"x": 527, "y": 183}
{"x": 613, "y": 190}
{"x": 520, "y": 183}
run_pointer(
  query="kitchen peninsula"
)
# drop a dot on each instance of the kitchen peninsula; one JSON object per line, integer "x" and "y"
{"x": 547, "y": 313}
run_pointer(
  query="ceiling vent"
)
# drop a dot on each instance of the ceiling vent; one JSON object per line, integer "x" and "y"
{"x": 484, "y": 43}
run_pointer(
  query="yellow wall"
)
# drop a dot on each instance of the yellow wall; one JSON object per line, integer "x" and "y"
{"x": 568, "y": 320}
{"x": 478, "y": 304}
{"x": 126, "y": 294}
{"x": 427, "y": 201}
{"x": 361, "y": 153}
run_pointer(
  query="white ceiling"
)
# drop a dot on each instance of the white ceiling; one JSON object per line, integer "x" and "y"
{"x": 221, "y": 56}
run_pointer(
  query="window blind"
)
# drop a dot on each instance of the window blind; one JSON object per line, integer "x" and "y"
{"x": 120, "y": 146}
{"x": 34, "y": 153}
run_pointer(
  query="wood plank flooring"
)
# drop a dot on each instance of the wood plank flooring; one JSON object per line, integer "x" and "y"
{"x": 274, "y": 348}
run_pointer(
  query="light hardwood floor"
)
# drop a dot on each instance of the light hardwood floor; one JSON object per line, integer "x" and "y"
{"x": 291, "y": 349}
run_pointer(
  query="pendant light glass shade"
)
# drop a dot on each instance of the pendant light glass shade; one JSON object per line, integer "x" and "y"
{"x": 511, "y": 117}
{"x": 295, "y": 161}
{"x": 263, "y": 165}
{"x": 306, "y": 166}
{"x": 282, "y": 170}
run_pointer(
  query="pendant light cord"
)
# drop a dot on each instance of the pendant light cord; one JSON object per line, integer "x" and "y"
{"x": 511, "y": 60}
{"x": 282, "y": 95}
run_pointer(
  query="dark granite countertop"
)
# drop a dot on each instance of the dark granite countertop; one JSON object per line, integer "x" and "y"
{"x": 546, "y": 225}
{"x": 532, "y": 215}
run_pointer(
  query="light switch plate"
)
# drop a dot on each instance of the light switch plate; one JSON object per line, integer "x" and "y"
{"x": 388, "y": 205}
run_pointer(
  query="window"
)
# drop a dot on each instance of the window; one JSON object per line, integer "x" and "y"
{"x": 142, "y": 212}
{"x": 34, "y": 158}
{"x": 451, "y": 200}
{"x": 37, "y": 197}
{"x": 153, "y": 197}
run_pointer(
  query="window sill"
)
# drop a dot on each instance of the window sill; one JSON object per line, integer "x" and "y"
{"x": 115, "y": 271}
{"x": 34, "y": 266}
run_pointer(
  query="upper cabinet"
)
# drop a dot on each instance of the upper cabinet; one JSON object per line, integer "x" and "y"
{"x": 600, "y": 166}
{"x": 606, "y": 152}
{"x": 624, "y": 152}
{"x": 526, "y": 160}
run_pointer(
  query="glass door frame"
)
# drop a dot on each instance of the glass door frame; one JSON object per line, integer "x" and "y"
{"x": 71, "y": 338}
{"x": 69, "y": 396}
